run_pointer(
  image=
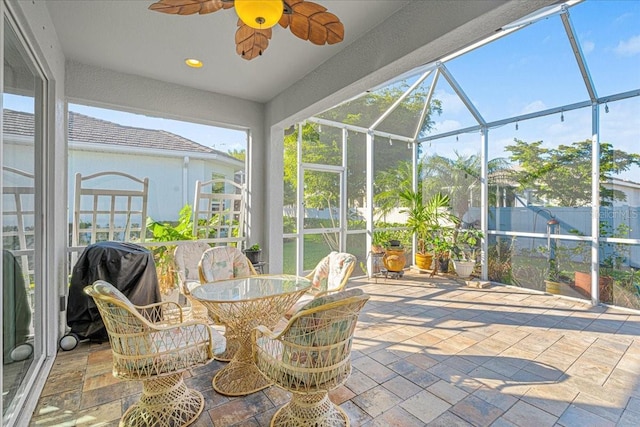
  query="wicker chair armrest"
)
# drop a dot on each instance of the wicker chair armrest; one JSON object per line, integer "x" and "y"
{"x": 263, "y": 331}
{"x": 165, "y": 312}
{"x": 327, "y": 292}
{"x": 162, "y": 304}
{"x": 265, "y": 342}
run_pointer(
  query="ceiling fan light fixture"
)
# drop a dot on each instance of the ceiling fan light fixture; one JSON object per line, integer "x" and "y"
{"x": 259, "y": 14}
{"x": 305, "y": 19}
{"x": 193, "y": 63}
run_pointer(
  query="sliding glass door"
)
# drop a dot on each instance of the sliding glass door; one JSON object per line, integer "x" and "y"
{"x": 22, "y": 228}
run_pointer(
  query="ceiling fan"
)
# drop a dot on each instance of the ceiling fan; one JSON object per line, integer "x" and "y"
{"x": 306, "y": 20}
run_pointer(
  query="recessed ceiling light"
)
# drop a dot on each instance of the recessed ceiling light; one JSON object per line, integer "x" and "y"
{"x": 193, "y": 63}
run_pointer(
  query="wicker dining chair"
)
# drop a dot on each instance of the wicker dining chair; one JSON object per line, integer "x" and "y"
{"x": 329, "y": 276}
{"x": 156, "y": 353}
{"x": 222, "y": 263}
{"x": 309, "y": 357}
{"x": 187, "y": 259}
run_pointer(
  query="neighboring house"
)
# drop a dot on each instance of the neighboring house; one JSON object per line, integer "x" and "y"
{"x": 629, "y": 188}
{"x": 172, "y": 163}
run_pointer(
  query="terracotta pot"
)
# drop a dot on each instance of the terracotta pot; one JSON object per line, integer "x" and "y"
{"x": 423, "y": 261}
{"x": 605, "y": 285}
{"x": 394, "y": 260}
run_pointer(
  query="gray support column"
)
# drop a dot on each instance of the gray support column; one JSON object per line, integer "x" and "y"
{"x": 484, "y": 201}
{"x": 369, "y": 213}
{"x": 300, "y": 207}
{"x": 595, "y": 203}
{"x": 344, "y": 203}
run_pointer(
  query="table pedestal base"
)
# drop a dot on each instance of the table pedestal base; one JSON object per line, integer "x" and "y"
{"x": 239, "y": 379}
{"x": 231, "y": 348}
{"x": 165, "y": 401}
{"x": 310, "y": 410}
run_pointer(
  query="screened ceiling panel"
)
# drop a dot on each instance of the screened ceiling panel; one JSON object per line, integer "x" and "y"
{"x": 614, "y": 63}
{"x": 454, "y": 113}
{"x": 405, "y": 118}
{"x": 325, "y": 147}
{"x": 367, "y": 109}
{"x": 532, "y": 69}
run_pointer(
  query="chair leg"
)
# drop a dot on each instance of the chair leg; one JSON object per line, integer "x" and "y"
{"x": 310, "y": 410}
{"x": 165, "y": 401}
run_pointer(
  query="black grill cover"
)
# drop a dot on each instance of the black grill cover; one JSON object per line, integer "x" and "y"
{"x": 128, "y": 267}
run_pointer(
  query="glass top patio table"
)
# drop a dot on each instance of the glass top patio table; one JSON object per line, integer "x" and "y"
{"x": 242, "y": 304}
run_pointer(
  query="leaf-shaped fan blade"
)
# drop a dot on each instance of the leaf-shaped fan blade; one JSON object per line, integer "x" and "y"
{"x": 189, "y": 7}
{"x": 311, "y": 21}
{"x": 251, "y": 42}
{"x": 285, "y": 20}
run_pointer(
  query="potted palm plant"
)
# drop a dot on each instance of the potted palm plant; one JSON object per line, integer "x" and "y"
{"x": 432, "y": 223}
{"x": 418, "y": 224}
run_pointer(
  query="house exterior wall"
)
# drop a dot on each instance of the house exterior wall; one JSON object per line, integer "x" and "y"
{"x": 169, "y": 191}
{"x": 629, "y": 188}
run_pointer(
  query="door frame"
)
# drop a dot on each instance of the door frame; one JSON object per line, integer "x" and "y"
{"x": 341, "y": 229}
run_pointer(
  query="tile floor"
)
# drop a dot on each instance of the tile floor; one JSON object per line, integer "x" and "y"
{"x": 427, "y": 351}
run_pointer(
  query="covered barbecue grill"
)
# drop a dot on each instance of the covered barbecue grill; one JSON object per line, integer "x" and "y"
{"x": 128, "y": 267}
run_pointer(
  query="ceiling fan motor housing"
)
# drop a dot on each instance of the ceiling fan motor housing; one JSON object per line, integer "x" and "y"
{"x": 259, "y": 14}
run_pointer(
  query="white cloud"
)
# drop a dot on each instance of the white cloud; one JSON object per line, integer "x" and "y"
{"x": 446, "y": 126}
{"x": 587, "y": 47}
{"x": 623, "y": 18}
{"x": 533, "y": 107}
{"x": 451, "y": 103}
{"x": 628, "y": 47}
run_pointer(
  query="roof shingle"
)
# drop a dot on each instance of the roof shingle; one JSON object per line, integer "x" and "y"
{"x": 97, "y": 131}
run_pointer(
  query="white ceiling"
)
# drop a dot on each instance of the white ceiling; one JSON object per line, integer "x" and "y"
{"x": 125, "y": 36}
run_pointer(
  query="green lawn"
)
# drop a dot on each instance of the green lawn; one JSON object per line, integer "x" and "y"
{"x": 315, "y": 249}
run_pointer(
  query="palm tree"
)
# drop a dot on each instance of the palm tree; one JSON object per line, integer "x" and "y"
{"x": 459, "y": 178}
{"x": 388, "y": 185}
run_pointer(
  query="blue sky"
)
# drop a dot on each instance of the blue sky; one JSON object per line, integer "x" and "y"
{"x": 534, "y": 69}
{"x": 530, "y": 70}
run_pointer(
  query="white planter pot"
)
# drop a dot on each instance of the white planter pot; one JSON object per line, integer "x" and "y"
{"x": 464, "y": 268}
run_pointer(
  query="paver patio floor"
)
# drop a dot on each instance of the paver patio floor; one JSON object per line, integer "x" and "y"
{"x": 427, "y": 351}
